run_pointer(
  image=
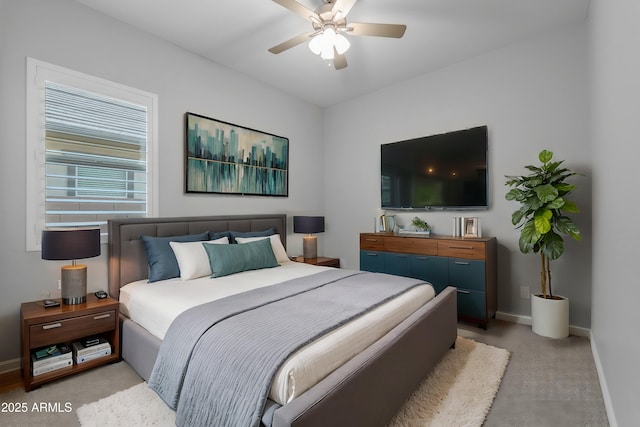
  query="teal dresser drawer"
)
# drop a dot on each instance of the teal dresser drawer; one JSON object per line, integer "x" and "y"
{"x": 472, "y": 303}
{"x": 467, "y": 274}
{"x": 432, "y": 269}
{"x": 397, "y": 264}
{"x": 372, "y": 261}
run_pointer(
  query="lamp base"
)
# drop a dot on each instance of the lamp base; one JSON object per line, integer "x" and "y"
{"x": 309, "y": 247}
{"x": 74, "y": 284}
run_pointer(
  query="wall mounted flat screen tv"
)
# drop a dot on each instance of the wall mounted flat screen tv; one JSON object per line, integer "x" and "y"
{"x": 445, "y": 171}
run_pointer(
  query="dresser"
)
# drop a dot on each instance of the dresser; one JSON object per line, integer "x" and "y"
{"x": 469, "y": 264}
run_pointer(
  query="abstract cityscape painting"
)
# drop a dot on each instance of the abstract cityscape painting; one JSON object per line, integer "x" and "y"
{"x": 226, "y": 158}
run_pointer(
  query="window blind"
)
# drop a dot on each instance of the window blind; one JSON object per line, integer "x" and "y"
{"x": 95, "y": 158}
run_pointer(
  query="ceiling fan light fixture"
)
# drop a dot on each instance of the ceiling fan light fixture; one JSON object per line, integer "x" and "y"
{"x": 324, "y": 43}
{"x": 341, "y": 43}
{"x": 316, "y": 44}
{"x": 327, "y": 52}
{"x": 329, "y": 22}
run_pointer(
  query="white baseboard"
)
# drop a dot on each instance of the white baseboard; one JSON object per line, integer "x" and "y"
{"x": 526, "y": 320}
{"x": 513, "y": 318}
{"x": 606, "y": 397}
{"x": 9, "y": 365}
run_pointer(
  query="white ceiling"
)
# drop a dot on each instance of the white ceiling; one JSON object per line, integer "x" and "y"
{"x": 237, "y": 34}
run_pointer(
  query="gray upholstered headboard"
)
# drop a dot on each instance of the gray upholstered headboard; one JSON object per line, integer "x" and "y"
{"x": 127, "y": 256}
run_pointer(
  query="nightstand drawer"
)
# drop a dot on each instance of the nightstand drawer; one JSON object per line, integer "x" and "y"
{"x": 72, "y": 328}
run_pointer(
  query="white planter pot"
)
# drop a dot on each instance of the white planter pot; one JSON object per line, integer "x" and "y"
{"x": 550, "y": 317}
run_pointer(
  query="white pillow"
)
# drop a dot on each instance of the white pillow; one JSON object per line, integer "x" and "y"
{"x": 276, "y": 245}
{"x": 192, "y": 258}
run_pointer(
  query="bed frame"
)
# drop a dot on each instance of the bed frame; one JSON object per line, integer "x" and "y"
{"x": 367, "y": 390}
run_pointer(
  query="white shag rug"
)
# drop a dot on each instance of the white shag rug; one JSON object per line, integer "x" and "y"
{"x": 458, "y": 392}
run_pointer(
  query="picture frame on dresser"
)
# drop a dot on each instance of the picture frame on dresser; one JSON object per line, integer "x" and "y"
{"x": 222, "y": 157}
{"x": 471, "y": 227}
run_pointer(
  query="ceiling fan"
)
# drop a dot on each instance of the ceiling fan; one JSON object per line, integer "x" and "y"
{"x": 329, "y": 26}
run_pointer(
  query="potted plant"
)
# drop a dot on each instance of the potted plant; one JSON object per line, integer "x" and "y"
{"x": 420, "y": 224}
{"x": 542, "y": 221}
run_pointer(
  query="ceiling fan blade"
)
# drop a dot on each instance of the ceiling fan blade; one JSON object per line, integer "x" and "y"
{"x": 301, "y": 10}
{"x": 342, "y": 7}
{"x": 380, "y": 30}
{"x": 339, "y": 60}
{"x": 295, "y": 41}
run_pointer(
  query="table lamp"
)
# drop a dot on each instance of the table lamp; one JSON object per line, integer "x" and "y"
{"x": 309, "y": 225}
{"x": 71, "y": 245}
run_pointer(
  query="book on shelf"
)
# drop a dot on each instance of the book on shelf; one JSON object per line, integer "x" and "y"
{"x": 60, "y": 364}
{"x": 50, "y": 355}
{"x": 48, "y": 351}
{"x": 94, "y": 355}
{"x": 90, "y": 345}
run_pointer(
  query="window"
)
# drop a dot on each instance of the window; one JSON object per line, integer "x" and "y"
{"x": 90, "y": 144}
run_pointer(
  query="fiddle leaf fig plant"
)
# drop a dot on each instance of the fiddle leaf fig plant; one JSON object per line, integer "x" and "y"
{"x": 542, "y": 218}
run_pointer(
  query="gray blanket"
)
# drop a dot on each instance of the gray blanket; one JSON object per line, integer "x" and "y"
{"x": 217, "y": 362}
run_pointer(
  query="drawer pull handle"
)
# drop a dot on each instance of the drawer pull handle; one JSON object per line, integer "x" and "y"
{"x": 423, "y": 258}
{"x": 52, "y": 326}
{"x": 102, "y": 316}
{"x": 370, "y": 254}
{"x": 463, "y": 292}
{"x": 460, "y": 263}
{"x": 371, "y": 240}
{"x": 461, "y": 247}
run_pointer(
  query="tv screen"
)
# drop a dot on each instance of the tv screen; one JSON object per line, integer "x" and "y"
{"x": 446, "y": 171}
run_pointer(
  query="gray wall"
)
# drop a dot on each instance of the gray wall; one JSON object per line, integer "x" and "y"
{"x": 532, "y": 95}
{"x": 89, "y": 42}
{"x": 615, "y": 104}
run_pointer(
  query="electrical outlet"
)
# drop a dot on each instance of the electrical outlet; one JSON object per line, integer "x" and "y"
{"x": 525, "y": 292}
{"x": 59, "y": 284}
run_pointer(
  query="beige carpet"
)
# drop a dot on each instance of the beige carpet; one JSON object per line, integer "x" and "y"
{"x": 458, "y": 392}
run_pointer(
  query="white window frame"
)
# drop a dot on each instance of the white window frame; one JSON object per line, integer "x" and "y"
{"x": 38, "y": 72}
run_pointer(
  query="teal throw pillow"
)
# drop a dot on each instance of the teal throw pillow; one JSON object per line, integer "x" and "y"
{"x": 232, "y": 259}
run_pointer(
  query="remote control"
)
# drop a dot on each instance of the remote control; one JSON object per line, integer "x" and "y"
{"x": 50, "y": 303}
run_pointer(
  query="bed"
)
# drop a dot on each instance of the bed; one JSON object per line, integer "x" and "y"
{"x": 366, "y": 390}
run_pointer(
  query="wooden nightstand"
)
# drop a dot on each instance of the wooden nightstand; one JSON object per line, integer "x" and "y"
{"x": 42, "y": 327}
{"x": 324, "y": 261}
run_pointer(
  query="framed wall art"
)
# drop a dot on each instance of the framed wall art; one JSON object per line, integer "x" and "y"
{"x": 226, "y": 158}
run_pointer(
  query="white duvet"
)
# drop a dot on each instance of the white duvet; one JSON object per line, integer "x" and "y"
{"x": 155, "y": 305}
